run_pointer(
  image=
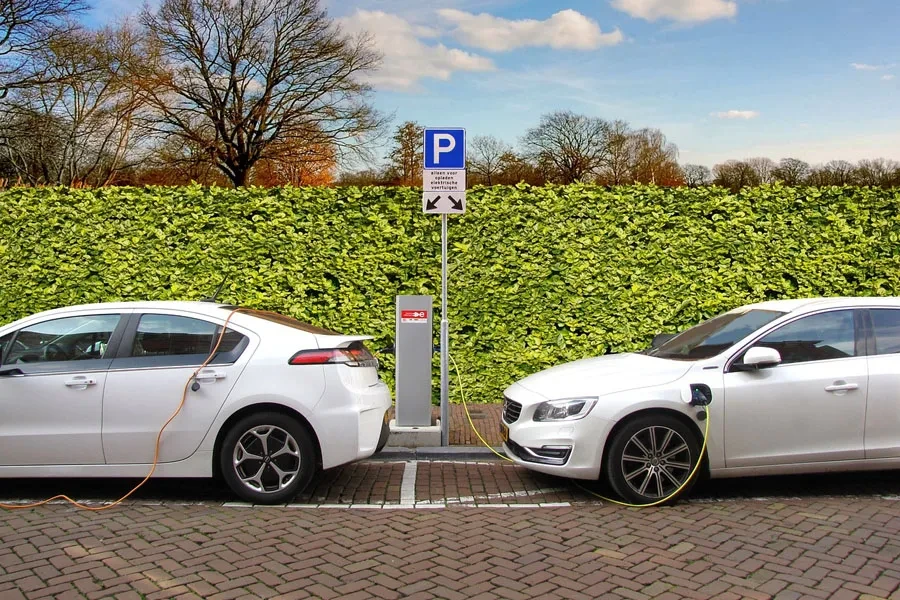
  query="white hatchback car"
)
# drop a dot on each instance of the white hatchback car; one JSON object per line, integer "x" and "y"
{"x": 796, "y": 386}
{"x": 85, "y": 390}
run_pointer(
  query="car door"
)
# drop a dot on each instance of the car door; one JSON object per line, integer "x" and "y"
{"x": 883, "y": 413}
{"x": 148, "y": 376}
{"x": 52, "y": 375}
{"x": 811, "y": 407}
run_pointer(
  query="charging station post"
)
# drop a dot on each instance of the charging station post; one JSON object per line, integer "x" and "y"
{"x": 444, "y": 193}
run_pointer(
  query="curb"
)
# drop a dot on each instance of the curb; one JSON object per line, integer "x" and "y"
{"x": 460, "y": 453}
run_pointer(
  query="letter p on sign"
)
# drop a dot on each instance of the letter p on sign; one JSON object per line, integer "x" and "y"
{"x": 445, "y": 148}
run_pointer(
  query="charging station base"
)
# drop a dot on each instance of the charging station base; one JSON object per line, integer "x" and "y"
{"x": 414, "y": 437}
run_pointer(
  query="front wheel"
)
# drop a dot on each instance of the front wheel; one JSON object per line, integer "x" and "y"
{"x": 267, "y": 458}
{"x": 651, "y": 458}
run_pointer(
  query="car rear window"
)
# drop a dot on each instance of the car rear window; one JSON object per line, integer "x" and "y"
{"x": 284, "y": 320}
{"x": 887, "y": 330}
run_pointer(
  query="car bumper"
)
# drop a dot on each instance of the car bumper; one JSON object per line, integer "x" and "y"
{"x": 353, "y": 430}
{"x": 564, "y": 448}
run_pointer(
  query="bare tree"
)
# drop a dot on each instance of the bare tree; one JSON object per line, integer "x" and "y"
{"x": 654, "y": 159}
{"x": 791, "y": 171}
{"x": 617, "y": 168}
{"x": 735, "y": 175}
{"x": 243, "y": 79}
{"x": 572, "y": 146}
{"x": 841, "y": 172}
{"x": 515, "y": 169}
{"x": 876, "y": 172}
{"x": 485, "y": 155}
{"x": 78, "y": 126}
{"x": 27, "y": 27}
{"x": 696, "y": 175}
{"x": 406, "y": 154}
{"x": 764, "y": 168}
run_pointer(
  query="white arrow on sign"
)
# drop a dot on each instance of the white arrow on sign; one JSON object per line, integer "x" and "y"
{"x": 444, "y": 203}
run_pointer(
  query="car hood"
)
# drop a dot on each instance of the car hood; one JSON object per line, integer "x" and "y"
{"x": 604, "y": 375}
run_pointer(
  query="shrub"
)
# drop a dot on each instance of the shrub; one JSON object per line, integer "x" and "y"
{"x": 538, "y": 275}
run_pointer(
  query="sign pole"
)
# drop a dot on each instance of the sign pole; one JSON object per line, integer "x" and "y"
{"x": 443, "y": 193}
{"x": 445, "y": 341}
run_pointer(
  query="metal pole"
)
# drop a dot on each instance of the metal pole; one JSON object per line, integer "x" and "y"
{"x": 445, "y": 341}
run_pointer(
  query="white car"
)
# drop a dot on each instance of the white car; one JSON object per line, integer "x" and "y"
{"x": 796, "y": 386}
{"x": 85, "y": 390}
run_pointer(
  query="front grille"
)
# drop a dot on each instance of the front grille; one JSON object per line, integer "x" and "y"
{"x": 511, "y": 410}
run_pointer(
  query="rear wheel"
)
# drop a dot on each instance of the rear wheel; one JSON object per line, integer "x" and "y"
{"x": 651, "y": 459}
{"x": 267, "y": 458}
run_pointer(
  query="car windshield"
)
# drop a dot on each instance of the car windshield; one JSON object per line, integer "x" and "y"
{"x": 714, "y": 336}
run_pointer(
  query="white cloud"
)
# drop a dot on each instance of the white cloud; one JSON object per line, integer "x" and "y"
{"x": 735, "y": 114}
{"x": 406, "y": 58}
{"x": 682, "y": 11}
{"x": 865, "y": 67}
{"x": 887, "y": 77}
{"x": 565, "y": 29}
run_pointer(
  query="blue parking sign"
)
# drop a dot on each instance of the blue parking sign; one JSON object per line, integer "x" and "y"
{"x": 445, "y": 148}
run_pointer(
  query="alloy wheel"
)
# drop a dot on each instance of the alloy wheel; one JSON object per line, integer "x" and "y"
{"x": 656, "y": 461}
{"x": 266, "y": 459}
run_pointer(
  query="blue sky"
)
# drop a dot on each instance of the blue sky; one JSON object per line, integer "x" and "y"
{"x": 812, "y": 79}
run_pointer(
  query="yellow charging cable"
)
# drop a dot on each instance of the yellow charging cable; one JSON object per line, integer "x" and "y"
{"x": 187, "y": 384}
{"x": 595, "y": 494}
{"x": 462, "y": 392}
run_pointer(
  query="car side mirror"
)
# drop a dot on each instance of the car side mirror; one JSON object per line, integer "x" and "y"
{"x": 661, "y": 338}
{"x": 760, "y": 357}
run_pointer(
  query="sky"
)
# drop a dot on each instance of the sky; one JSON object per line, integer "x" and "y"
{"x": 723, "y": 79}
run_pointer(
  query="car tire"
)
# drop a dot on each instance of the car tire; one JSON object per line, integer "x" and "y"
{"x": 267, "y": 458}
{"x": 650, "y": 458}
{"x": 383, "y": 437}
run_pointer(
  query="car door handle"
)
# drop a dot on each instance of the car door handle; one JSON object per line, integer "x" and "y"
{"x": 81, "y": 383}
{"x": 841, "y": 387}
{"x": 209, "y": 376}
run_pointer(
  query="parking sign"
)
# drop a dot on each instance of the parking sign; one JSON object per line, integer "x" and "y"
{"x": 445, "y": 148}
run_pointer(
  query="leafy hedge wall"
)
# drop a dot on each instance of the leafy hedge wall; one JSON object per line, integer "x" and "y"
{"x": 538, "y": 275}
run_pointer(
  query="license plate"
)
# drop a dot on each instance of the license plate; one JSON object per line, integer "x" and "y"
{"x": 504, "y": 432}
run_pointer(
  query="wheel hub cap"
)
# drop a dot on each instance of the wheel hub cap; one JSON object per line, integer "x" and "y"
{"x": 266, "y": 459}
{"x": 656, "y": 462}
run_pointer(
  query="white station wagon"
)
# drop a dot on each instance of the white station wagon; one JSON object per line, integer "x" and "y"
{"x": 796, "y": 386}
{"x": 85, "y": 390}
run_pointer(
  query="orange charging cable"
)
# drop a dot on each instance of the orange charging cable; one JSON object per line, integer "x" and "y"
{"x": 158, "y": 438}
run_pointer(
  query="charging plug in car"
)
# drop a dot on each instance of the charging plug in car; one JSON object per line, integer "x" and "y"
{"x": 195, "y": 386}
{"x": 701, "y": 396}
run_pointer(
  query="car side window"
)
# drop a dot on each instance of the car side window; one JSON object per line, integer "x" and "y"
{"x": 886, "y": 324}
{"x": 171, "y": 335}
{"x": 4, "y": 344}
{"x": 65, "y": 339}
{"x": 824, "y": 336}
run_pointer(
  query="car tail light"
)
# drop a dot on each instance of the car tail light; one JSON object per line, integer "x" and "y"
{"x": 355, "y": 355}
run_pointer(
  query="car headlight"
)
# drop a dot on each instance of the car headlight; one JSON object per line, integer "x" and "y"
{"x": 567, "y": 409}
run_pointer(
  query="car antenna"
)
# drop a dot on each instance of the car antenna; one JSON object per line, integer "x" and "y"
{"x": 214, "y": 297}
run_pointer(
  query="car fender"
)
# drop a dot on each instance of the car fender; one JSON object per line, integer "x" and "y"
{"x": 233, "y": 407}
{"x": 672, "y": 397}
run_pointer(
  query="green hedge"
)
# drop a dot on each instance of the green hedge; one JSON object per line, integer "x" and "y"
{"x": 538, "y": 275}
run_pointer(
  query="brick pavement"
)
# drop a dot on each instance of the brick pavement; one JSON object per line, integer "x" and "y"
{"x": 827, "y": 548}
{"x": 500, "y": 531}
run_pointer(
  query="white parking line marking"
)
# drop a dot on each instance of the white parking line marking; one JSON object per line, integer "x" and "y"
{"x": 499, "y": 495}
{"x": 408, "y": 485}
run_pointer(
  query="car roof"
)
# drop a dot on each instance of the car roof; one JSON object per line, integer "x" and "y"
{"x": 207, "y": 308}
{"x": 801, "y": 305}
